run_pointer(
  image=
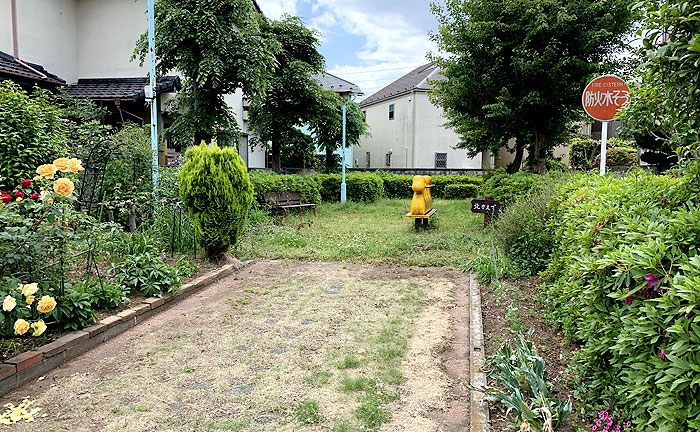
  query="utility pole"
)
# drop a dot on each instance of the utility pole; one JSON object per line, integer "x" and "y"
{"x": 150, "y": 92}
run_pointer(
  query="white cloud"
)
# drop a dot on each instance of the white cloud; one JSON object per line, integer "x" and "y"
{"x": 276, "y": 8}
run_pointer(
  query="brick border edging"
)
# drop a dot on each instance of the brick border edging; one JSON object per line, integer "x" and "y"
{"x": 25, "y": 367}
{"x": 479, "y": 407}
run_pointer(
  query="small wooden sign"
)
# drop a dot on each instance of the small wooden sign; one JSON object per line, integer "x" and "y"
{"x": 486, "y": 207}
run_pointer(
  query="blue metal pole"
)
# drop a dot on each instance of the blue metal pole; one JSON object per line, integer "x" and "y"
{"x": 152, "y": 84}
{"x": 342, "y": 183}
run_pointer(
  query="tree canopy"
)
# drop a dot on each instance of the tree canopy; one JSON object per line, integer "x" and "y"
{"x": 218, "y": 46}
{"x": 515, "y": 69}
{"x": 665, "y": 103}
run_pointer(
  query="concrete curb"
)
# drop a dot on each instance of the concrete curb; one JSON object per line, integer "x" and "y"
{"x": 29, "y": 365}
{"x": 477, "y": 378}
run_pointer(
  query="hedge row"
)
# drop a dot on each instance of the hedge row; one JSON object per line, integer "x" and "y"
{"x": 361, "y": 186}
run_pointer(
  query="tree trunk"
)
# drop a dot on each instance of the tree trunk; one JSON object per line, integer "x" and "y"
{"x": 329, "y": 159}
{"x": 538, "y": 152}
{"x": 514, "y": 166}
{"x": 276, "y": 156}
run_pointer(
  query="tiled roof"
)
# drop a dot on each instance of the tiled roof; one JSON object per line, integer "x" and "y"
{"x": 331, "y": 82}
{"x": 416, "y": 80}
{"x": 11, "y": 68}
{"x": 119, "y": 88}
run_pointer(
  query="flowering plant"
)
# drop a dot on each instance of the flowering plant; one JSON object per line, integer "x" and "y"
{"x": 22, "y": 314}
{"x": 619, "y": 156}
{"x": 608, "y": 422}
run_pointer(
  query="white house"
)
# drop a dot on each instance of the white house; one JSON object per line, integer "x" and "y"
{"x": 87, "y": 44}
{"x": 407, "y": 129}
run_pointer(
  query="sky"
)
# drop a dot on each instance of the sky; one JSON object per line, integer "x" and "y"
{"x": 368, "y": 42}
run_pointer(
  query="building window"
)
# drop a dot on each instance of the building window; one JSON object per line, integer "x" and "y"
{"x": 391, "y": 112}
{"x": 367, "y": 159}
{"x": 387, "y": 159}
{"x": 440, "y": 160}
{"x": 364, "y": 116}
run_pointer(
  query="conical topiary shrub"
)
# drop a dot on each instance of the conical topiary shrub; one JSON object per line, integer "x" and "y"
{"x": 216, "y": 189}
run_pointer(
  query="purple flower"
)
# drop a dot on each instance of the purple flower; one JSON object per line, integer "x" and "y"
{"x": 653, "y": 280}
{"x": 662, "y": 355}
{"x": 628, "y": 300}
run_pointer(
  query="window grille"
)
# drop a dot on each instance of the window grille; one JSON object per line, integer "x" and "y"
{"x": 387, "y": 159}
{"x": 367, "y": 159}
{"x": 391, "y": 112}
{"x": 440, "y": 160}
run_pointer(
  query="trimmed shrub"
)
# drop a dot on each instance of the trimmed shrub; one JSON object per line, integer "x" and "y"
{"x": 32, "y": 132}
{"x": 555, "y": 165}
{"x": 582, "y": 153}
{"x": 398, "y": 186}
{"x": 509, "y": 188}
{"x": 361, "y": 186}
{"x": 364, "y": 187}
{"x": 619, "y": 156}
{"x": 268, "y": 181}
{"x": 441, "y": 181}
{"x": 460, "y": 191}
{"x": 216, "y": 189}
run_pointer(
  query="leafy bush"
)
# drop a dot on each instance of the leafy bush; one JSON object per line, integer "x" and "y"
{"x": 398, "y": 186}
{"x": 619, "y": 156}
{"x": 582, "y": 152}
{"x": 555, "y": 165}
{"x": 460, "y": 191}
{"x": 624, "y": 282}
{"x": 216, "y": 189}
{"x": 146, "y": 273}
{"x": 268, "y": 181}
{"x": 509, "y": 188}
{"x": 74, "y": 310}
{"x": 360, "y": 186}
{"x": 103, "y": 294}
{"x": 31, "y": 133}
{"x": 185, "y": 268}
{"x": 520, "y": 230}
{"x": 441, "y": 181}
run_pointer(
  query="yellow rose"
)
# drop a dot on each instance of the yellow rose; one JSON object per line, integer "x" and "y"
{"x": 9, "y": 303}
{"x": 50, "y": 200}
{"x": 39, "y": 328}
{"x": 30, "y": 299}
{"x": 75, "y": 165}
{"x": 36, "y": 178}
{"x": 18, "y": 199}
{"x": 62, "y": 164}
{"x": 30, "y": 289}
{"x": 63, "y": 187}
{"x": 46, "y": 304}
{"x": 47, "y": 170}
{"x": 21, "y": 326}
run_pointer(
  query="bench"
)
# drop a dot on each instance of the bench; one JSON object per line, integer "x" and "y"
{"x": 286, "y": 200}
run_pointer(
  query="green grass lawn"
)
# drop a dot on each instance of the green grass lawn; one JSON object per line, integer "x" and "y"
{"x": 369, "y": 233}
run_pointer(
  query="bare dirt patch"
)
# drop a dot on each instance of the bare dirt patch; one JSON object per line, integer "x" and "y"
{"x": 255, "y": 351}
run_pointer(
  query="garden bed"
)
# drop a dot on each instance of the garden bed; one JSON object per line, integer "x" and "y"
{"x": 550, "y": 343}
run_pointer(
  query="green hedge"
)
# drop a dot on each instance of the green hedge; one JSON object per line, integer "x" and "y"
{"x": 624, "y": 281}
{"x": 509, "y": 188}
{"x": 267, "y": 181}
{"x": 441, "y": 181}
{"x": 360, "y": 186}
{"x": 398, "y": 186}
{"x": 460, "y": 191}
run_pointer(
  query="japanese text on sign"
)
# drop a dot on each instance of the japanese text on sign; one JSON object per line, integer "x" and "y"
{"x": 485, "y": 206}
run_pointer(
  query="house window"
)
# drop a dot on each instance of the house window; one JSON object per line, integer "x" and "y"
{"x": 391, "y": 112}
{"x": 364, "y": 116}
{"x": 387, "y": 159}
{"x": 367, "y": 159}
{"x": 440, "y": 160}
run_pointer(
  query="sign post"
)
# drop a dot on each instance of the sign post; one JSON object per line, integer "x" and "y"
{"x": 602, "y": 99}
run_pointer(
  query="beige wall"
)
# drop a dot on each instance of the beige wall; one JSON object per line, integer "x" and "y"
{"x": 414, "y": 136}
{"x": 107, "y": 34}
{"x": 47, "y": 31}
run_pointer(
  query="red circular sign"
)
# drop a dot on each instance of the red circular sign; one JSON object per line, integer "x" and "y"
{"x": 604, "y": 96}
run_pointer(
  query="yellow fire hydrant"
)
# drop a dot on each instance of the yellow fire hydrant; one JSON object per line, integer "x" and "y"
{"x": 422, "y": 203}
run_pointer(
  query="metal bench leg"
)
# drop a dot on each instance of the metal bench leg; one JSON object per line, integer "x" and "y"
{"x": 314, "y": 210}
{"x": 418, "y": 224}
{"x": 301, "y": 212}
{"x": 285, "y": 213}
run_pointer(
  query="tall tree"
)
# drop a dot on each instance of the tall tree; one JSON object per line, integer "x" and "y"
{"x": 292, "y": 96}
{"x": 219, "y": 47}
{"x": 665, "y": 104}
{"x": 515, "y": 69}
{"x": 328, "y": 126}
